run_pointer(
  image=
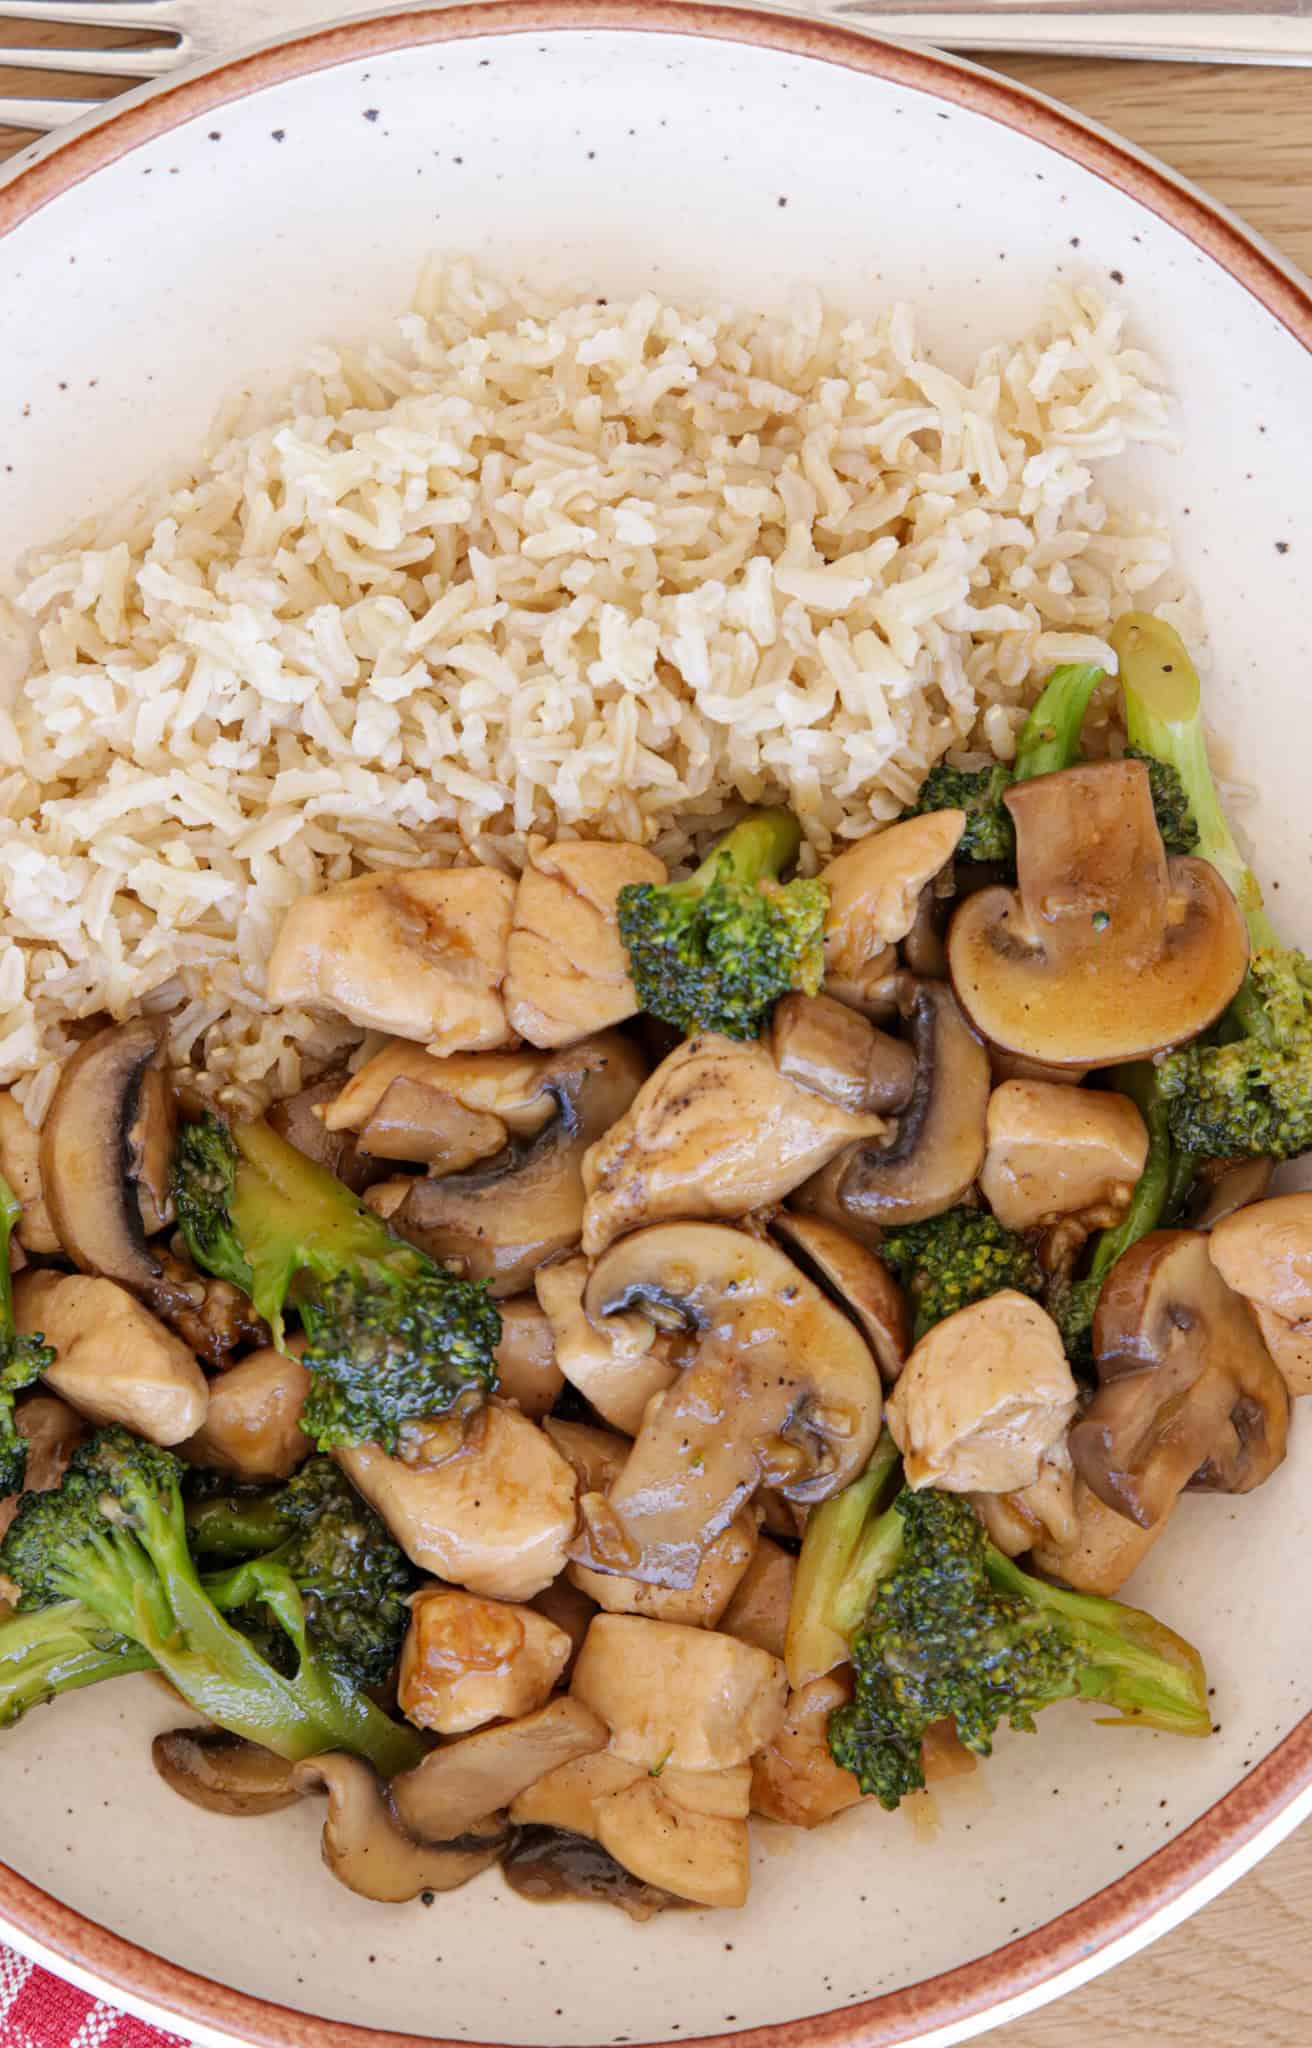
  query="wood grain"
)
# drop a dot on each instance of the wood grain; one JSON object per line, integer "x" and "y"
{"x": 1239, "y": 1973}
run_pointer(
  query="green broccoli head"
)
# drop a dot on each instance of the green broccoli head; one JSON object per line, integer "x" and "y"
{"x": 22, "y": 1359}
{"x": 1175, "y": 820}
{"x": 715, "y": 952}
{"x": 989, "y": 834}
{"x": 393, "y": 1339}
{"x": 81, "y": 1540}
{"x": 1251, "y": 1093}
{"x": 956, "y": 1631}
{"x": 962, "y": 1256}
{"x": 1071, "y": 1304}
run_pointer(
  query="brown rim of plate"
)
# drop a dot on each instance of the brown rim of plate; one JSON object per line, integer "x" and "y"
{"x": 954, "y": 1996}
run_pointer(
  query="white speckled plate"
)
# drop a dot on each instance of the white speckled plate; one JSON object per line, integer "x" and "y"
{"x": 209, "y": 230}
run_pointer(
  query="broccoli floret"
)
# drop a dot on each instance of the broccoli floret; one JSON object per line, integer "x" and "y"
{"x": 989, "y": 834}
{"x": 392, "y": 1338}
{"x": 964, "y": 1255}
{"x": 1247, "y": 1090}
{"x": 22, "y": 1359}
{"x": 942, "y": 1626}
{"x": 353, "y": 1579}
{"x": 713, "y": 953}
{"x": 113, "y": 1537}
{"x": 1175, "y": 820}
{"x": 61, "y": 1649}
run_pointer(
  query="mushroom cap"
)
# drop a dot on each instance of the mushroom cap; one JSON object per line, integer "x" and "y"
{"x": 108, "y": 1127}
{"x": 857, "y": 1280}
{"x": 370, "y": 1852}
{"x": 834, "y": 1051}
{"x": 1106, "y": 950}
{"x": 223, "y": 1773}
{"x": 1188, "y": 1393}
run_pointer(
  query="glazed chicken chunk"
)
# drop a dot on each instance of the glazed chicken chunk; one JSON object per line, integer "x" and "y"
{"x": 568, "y": 974}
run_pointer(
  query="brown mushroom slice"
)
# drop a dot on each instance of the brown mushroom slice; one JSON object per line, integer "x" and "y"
{"x": 371, "y": 1853}
{"x": 252, "y": 1424}
{"x": 1227, "y": 1187}
{"x": 690, "y": 1698}
{"x": 298, "y": 1118}
{"x": 223, "y": 1773}
{"x": 794, "y": 1778}
{"x": 458, "y": 1785}
{"x": 783, "y": 1392}
{"x": 598, "y": 1456}
{"x": 20, "y": 1163}
{"x": 875, "y": 886}
{"x": 567, "y": 971}
{"x": 697, "y": 1856}
{"x": 701, "y": 1605}
{"x": 758, "y": 1612}
{"x": 107, "y": 1124}
{"x": 1106, "y": 950}
{"x": 467, "y": 1661}
{"x": 834, "y": 1051}
{"x": 717, "y": 1131}
{"x": 618, "y": 1364}
{"x": 430, "y": 1128}
{"x": 1188, "y": 1392}
{"x": 114, "y": 1361}
{"x": 937, "y": 1148}
{"x": 856, "y": 1279}
{"x": 503, "y": 1219}
{"x": 527, "y": 1372}
{"x": 1100, "y": 1551}
{"x": 1055, "y": 1150}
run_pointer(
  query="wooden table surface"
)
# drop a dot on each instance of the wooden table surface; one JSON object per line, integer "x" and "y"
{"x": 1239, "y": 1975}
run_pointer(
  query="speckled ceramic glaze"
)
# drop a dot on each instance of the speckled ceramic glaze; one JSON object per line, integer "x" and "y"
{"x": 207, "y": 233}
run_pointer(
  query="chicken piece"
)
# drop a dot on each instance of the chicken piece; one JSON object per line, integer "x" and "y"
{"x": 1056, "y": 1151}
{"x": 506, "y": 1085}
{"x": 527, "y": 1372}
{"x": 697, "y": 1856}
{"x": 598, "y": 1456}
{"x": 252, "y": 1429}
{"x": 758, "y": 1612}
{"x": 874, "y": 892}
{"x": 20, "y": 1163}
{"x": 571, "y": 1611}
{"x": 689, "y": 1697}
{"x": 1265, "y": 1253}
{"x": 467, "y": 1661}
{"x": 700, "y": 1605}
{"x": 794, "y": 1778}
{"x": 114, "y": 1360}
{"x": 419, "y": 952}
{"x": 982, "y": 1397}
{"x": 495, "y": 1515}
{"x": 53, "y": 1431}
{"x": 1102, "y": 1550}
{"x": 568, "y": 972}
{"x": 715, "y": 1131}
{"x": 617, "y": 1368}
{"x": 1043, "y": 1512}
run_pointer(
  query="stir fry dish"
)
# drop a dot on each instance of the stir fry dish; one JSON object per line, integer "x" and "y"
{"x": 721, "y": 1347}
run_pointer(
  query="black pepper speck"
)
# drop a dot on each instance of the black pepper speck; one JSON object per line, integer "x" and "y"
{"x": 371, "y": 113}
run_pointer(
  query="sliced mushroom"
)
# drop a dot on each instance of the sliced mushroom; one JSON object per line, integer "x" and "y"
{"x": 527, "y": 1372}
{"x": 874, "y": 889}
{"x": 618, "y": 1364}
{"x": 495, "y": 1514}
{"x": 419, "y": 952}
{"x": 1101, "y": 1550}
{"x": 701, "y": 1605}
{"x": 1225, "y": 1186}
{"x": 1188, "y": 1393}
{"x": 53, "y": 1432}
{"x": 503, "y": 1219}
{"x": 1055, "y": 1150}
{"x": 568, "y": 972}
{"x": 252, "y": 1425}
{"x": 104, "y": 1150}
{"x": 758, "y": 1612}
{"x": 856, "y": 1279}
{"x": 371, "y": 1853}
{"x": 298, "y": 1119}
{"x": 687, "y": 1697}
{"x": 20, "y": 1163}
{"x": 1106, "y": 950}
{"x": 456, "y": 1786}
{"x": 468, "y": 1661}
{"x": 937, "y": 1148}
{"x": 834, "y": 1051}
{"x": 984, "y": 1395}
{"x": 795, "y": 1779}
{"x": 114, "y": 1361}
{"x": 783, "y": 1392}
{"x": 223, "y": 1773}
{"x": 504, "y": 1085}
{"x": 430, "y": 1128}
{"x": 716, "y": 1131}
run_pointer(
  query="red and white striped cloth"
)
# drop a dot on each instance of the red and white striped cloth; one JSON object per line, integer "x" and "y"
{"x": 40, "y": 2011}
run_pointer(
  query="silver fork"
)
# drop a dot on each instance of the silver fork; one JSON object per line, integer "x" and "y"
{"x": 1244, "y": 32}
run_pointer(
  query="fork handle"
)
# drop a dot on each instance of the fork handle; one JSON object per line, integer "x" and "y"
{"x": 1249, "y": 33}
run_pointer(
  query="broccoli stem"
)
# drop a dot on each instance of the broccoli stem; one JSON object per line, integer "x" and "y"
{"x": 758, "y": 849}
{"x": 1152, "y": 1190}
{"x": 1164, "y": 718}
{"x": 235, "y": 1525}
{"x": 1050, "y": 736}
{"x": 59, "y": 1649}
{"x": 815, "y": 1641}
{"x": 1129, "y": 1661}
